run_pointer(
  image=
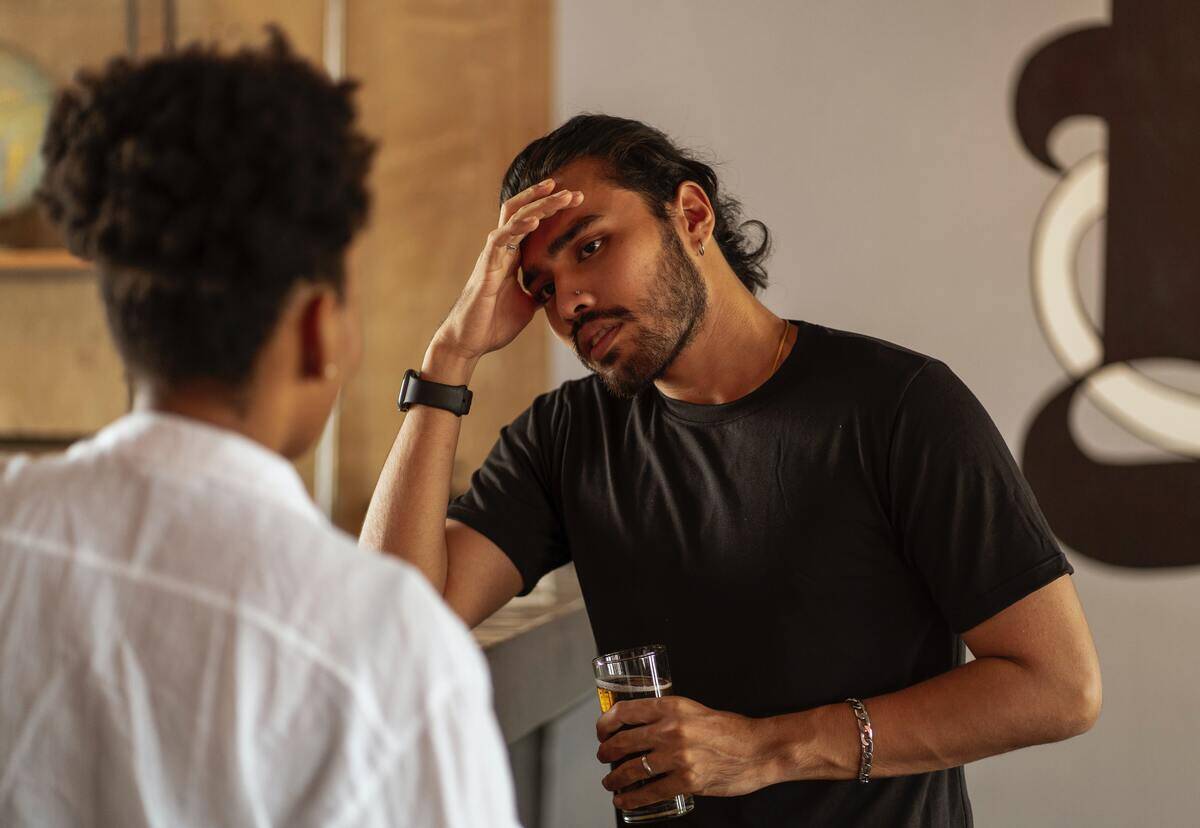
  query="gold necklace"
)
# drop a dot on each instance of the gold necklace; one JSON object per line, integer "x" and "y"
{"x": 782, "y": 340}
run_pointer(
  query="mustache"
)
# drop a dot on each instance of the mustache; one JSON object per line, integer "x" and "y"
{"x": 618, "y": 313}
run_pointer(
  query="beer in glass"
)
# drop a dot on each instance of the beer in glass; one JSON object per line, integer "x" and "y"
{"x": 640, "y": 673}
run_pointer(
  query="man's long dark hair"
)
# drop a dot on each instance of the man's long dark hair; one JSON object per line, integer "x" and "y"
{"x": 205, "y": 186}
{"x": 641, "y": 158}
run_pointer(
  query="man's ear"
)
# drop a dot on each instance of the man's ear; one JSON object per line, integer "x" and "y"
{"x": 318, "y": 335}
{"x": 696, "y": 211}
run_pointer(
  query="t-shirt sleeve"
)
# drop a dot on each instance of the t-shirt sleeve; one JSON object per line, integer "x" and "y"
{"x": 964, "y": 515}
{"x": 513, "y": 496}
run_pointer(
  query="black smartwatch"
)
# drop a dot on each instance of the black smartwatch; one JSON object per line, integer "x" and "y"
{"x": 416, "y": 391}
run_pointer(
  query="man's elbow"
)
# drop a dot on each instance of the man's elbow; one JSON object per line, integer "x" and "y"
{"x": 1079, "y": 705}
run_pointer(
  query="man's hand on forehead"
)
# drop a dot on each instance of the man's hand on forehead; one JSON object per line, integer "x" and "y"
{"x": 521, "y": 215}
{"x": 492, "y": 310}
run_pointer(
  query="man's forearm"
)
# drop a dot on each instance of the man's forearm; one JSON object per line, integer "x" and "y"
{"x": 984, "y": 708}
{"x": 407, "y": 515}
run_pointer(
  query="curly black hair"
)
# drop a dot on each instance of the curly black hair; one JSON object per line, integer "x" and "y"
{"x": 205, "y": 186}
{"x": 643, "y": 159}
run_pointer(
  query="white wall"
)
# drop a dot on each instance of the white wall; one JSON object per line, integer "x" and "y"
{"x": 875, "y": 139}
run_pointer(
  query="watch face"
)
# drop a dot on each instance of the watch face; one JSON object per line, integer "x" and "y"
{"x": 415, "y": 391}
{"x": 404, "y": 401}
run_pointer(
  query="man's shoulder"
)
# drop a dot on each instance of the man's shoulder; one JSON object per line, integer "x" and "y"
{"x": 844, "y": 369}
{"x": 878, "y": 376}
{"x": 863, "y": 353}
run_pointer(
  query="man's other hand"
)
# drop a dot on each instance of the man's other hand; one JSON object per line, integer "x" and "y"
{"x": 690, "y": 748}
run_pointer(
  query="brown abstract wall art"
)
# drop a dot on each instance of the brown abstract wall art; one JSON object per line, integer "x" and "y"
{"x": 1141, "y": 74}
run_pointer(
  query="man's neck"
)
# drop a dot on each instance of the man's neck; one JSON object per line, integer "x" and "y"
{"x": 732, "y": 353}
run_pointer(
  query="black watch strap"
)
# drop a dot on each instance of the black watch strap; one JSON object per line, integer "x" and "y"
{"x": 417, "y": 391}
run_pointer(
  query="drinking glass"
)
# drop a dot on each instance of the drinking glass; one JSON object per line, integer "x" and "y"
{"x": 640, "y": 673}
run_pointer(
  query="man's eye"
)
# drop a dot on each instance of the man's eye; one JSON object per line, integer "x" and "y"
{"x": 544, "y": 293}
{"x": 588, "y": 249}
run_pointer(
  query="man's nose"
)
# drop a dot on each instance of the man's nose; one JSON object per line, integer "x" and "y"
{"x": 574, "y": 299}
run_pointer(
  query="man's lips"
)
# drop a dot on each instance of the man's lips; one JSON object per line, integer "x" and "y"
{"x": 599, "y": 338}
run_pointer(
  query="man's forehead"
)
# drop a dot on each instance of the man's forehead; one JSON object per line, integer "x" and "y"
{"x": 601, "y": 199}
{"x": 583, "y": 172}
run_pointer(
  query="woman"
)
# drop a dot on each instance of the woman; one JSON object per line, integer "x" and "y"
{"x": 186, "y": 639}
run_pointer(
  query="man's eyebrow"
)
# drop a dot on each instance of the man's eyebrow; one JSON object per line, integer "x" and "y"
{"x": 570, "y": 233}
{"x": 529, "y": 275}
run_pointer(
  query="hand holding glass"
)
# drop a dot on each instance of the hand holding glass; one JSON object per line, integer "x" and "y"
{"x": 640, "y": 673}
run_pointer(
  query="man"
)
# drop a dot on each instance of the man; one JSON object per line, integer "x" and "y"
{"x": 802, "y": 516}
{"x": 186, "y": 640}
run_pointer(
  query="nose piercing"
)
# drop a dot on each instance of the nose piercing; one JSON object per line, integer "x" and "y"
{"x": 578, "y": 292}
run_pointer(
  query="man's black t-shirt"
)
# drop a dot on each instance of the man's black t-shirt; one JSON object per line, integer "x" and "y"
{"x": 829, "y": 535}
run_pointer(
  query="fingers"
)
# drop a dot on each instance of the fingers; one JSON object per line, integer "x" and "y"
{"x": 632, "y": 770}
{"x": 627, "y": 742}
{"x": 551, "y": 204}
{"x": 538, "y": 192}
{"x": 504, "y": 241}
{"x": 633, "y": 712}
{"x": 661, "y": 789}
{"x": 526, "y": 220}
{"x": 522, "y": 198}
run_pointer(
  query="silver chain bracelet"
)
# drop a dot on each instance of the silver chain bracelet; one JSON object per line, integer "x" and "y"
{"x": 866, "y": 737}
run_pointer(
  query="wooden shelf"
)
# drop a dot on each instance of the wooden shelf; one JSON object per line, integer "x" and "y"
{"x": 33, "y": 259}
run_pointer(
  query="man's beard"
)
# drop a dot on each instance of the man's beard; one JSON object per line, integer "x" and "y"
{"x": 678, "y": 300}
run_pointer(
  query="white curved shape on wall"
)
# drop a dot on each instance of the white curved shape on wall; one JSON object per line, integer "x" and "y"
{"x": 1074, "y": 205}
{"x": 1163, "y": 416}
{"x": 1159, "y": 414}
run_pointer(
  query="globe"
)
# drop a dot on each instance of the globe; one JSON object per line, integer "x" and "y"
{"x": 25, "y": 97}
